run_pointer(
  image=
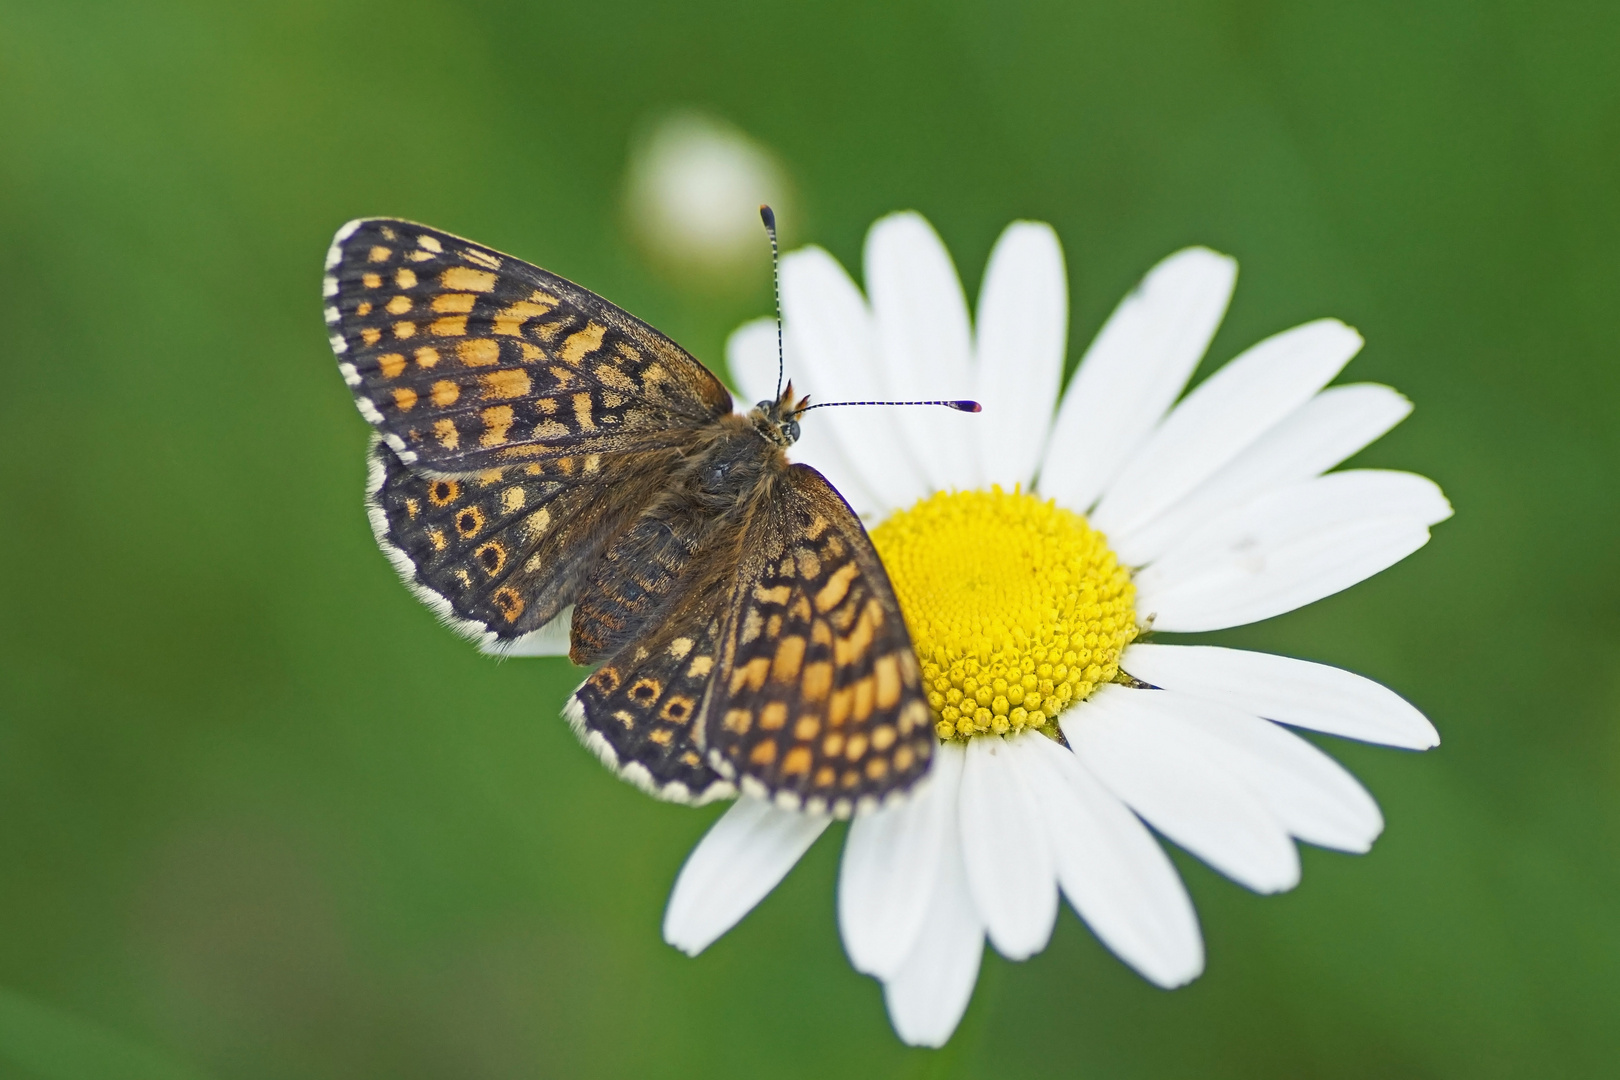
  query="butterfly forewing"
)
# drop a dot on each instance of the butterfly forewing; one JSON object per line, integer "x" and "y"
{"x": 817, "y": 701}
{"x": 465, "y": 359}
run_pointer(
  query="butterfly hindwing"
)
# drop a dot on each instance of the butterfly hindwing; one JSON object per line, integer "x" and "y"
{"x": 817, "y": 700}
{"x": 465, "y": 359}
{"x": 639, "y": 710}
{"x": 501, "y": 552}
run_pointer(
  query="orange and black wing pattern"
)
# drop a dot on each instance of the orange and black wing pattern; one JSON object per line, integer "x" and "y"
{"x": 640, "y": 711}
{"x": 500, "y": 552}
{"x": 817, "y": 701}
{"x": 465, "y": 359}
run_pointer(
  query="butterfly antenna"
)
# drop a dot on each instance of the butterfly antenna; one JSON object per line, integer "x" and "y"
{"x": 961, "y": 405}
{"x": 768, "y": 216}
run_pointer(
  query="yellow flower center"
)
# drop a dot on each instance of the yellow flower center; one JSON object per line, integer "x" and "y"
{"x": 1017, "y": 607}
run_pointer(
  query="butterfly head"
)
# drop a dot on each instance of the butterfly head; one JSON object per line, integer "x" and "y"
{"x": 778, "y": 420}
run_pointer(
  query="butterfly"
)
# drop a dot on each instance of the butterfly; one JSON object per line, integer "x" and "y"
{"x": 537, "y": 448}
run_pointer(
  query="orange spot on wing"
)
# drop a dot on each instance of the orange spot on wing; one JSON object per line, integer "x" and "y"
{"x": 817, "y": 680}
{"x": 581, "y": 344}
{"x": 789, "y": 655}
{"x": 497, "y": 422}
{"x": 511, "y": 383}
{"x": 887, "y": 673}
{"x": 832, "y": 593}
{"x": 509, "y": 321}
{"x": 863, "y": 699}
{"x": 751, "y": 674}
{"x": 454, "y": 303}
{"x": 479, "y": 352}
{"x": 466, "y": 279}
{"x": 582, "y": 412}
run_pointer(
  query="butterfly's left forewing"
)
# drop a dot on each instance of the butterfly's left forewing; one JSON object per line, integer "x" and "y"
{"x": 817, "y": 700}
{"x": 465, "y": 359}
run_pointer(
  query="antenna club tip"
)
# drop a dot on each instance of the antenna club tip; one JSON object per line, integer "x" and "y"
{"x": 967, "y": 406}
{"x": 767, "y": 215}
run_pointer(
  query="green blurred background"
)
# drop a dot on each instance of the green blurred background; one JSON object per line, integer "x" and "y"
{"x": 260, "y": 816}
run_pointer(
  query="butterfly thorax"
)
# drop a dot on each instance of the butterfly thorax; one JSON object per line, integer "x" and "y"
{"x": 686, "y": 541}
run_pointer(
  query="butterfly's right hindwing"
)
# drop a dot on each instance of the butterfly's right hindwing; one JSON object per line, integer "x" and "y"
{"x": 817, "y": 700}
{"x": 465, "y": 359}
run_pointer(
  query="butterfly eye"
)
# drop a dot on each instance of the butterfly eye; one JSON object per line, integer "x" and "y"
{"x": 792, "y": 429}
{"x": 764, "y": 406}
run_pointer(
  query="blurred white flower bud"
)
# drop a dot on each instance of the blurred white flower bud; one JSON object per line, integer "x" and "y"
{"x": 694, "y": 186}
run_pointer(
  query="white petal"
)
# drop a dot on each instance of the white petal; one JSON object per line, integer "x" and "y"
{"x": 1142, "y": 751}
{"x": 1142, "y": 357}
{"x": 751, "y": 359}
{"x": 1317, "y": 436}
{"x": 1334, "y": 499}
{"x": 930, "y": 992}
{"x": 550, "y": 640}
{"x": 1004, "y": 846}
{"x": 831, "y": 332}
{"x": 1261, "y": 584}
{"x": 1310, "y": 793}
{"x": 921, "y": 318}
{"x": 1227, "y": 412}
{"x": 734, "y": 866}
{"x": 1286, "y": 690}
{"x": 891, "y": 865}
{"x": 1290, "y": 548}
{"x": 1022, "y": 334}
{"x": 751, "y": 356}
{"x": 1114, "y": 873}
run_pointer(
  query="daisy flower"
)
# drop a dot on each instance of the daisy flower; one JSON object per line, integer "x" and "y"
{"x": 1031, "y": 546}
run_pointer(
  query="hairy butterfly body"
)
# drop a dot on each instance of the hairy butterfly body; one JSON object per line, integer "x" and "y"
{"x": 539, "y": 449}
